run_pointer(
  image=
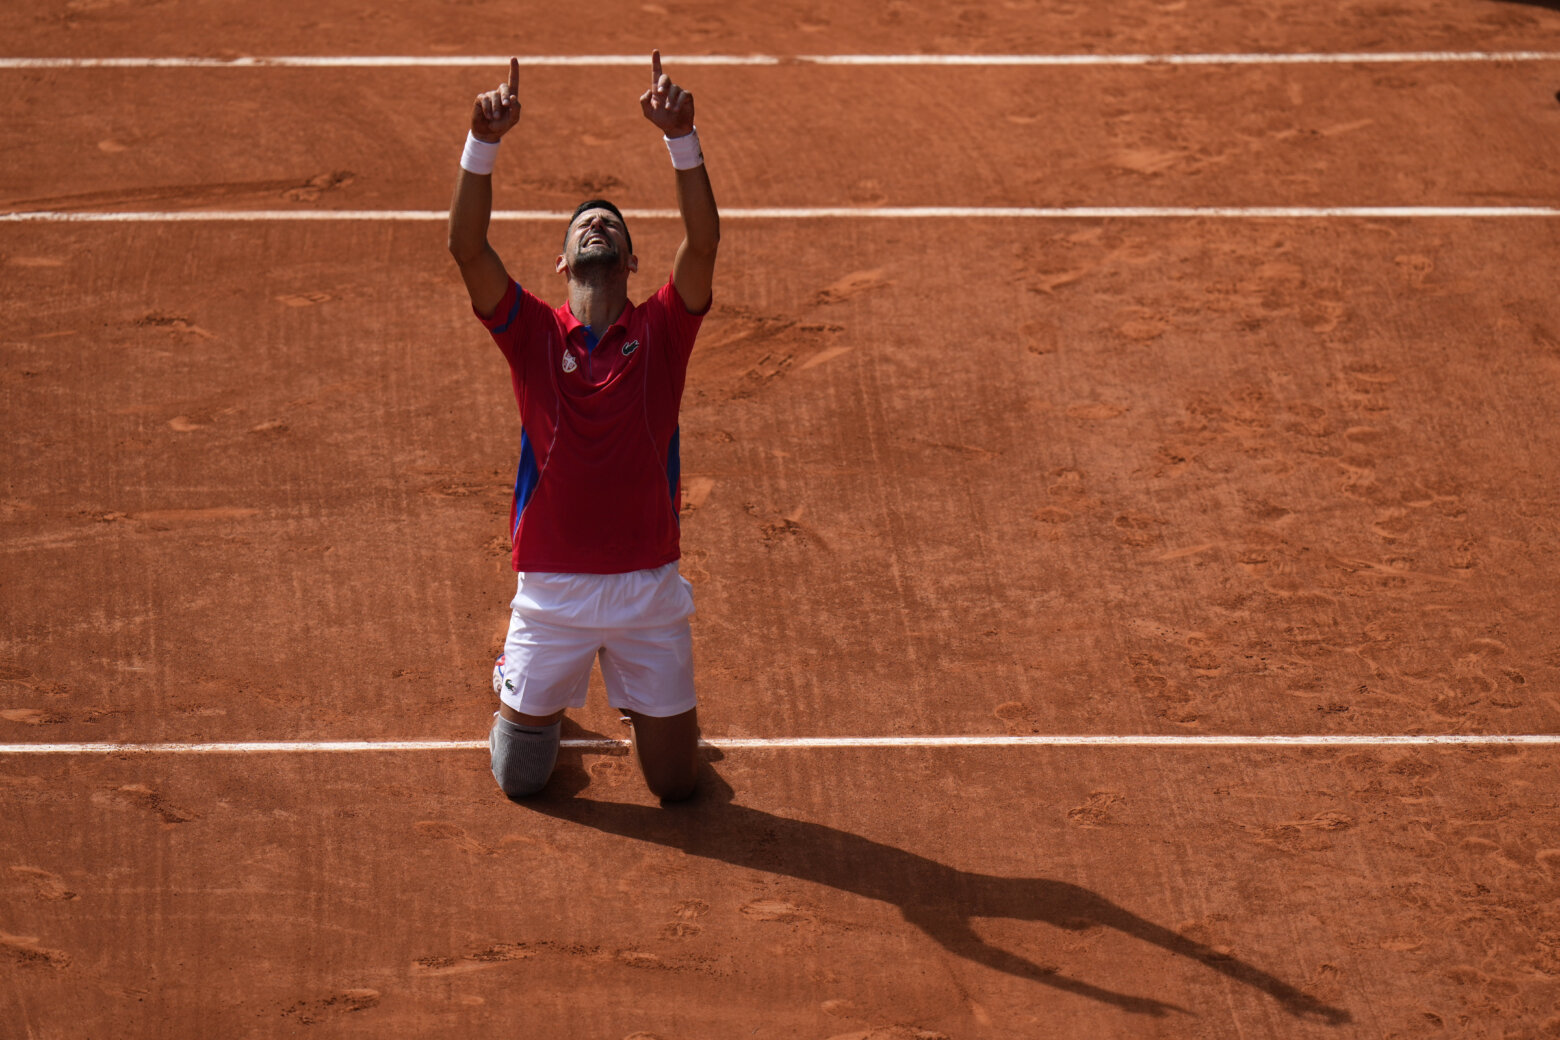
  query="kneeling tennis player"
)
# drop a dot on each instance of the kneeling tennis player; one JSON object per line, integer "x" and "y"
{"x": 594, "y": 525}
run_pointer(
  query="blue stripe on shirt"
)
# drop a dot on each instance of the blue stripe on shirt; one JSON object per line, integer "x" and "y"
{"x": 526, "y": 479}
{"x": 673, "y": 465}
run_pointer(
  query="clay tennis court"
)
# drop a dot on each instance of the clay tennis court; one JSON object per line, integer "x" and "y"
{"x": 1174, "y": 576}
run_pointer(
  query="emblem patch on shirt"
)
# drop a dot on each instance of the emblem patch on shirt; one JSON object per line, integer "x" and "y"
{"x": 569, "y": 364}
{"x": 629, "y": 347}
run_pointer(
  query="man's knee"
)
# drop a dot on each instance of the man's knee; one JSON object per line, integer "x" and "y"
{"x": 523, "y": 756}
{"x": 668, "y": 753}
{"x": 673, "y": 788}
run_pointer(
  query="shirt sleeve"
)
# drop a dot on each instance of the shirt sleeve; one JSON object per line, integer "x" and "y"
{"x": 514, "y": 322}
{"x": 682, "y": 325}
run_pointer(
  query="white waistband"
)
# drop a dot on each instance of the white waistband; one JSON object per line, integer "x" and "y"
{"x": 637, "y": 599}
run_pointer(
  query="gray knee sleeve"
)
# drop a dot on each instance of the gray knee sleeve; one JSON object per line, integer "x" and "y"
{"x": 523, "y": 756}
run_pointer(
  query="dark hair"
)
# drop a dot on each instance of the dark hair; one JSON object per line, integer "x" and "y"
{"x": 598, "y": 204}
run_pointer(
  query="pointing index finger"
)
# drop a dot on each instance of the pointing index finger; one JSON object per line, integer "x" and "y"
{"x": 514, "y": 76}
{"x": 655, "y": 66}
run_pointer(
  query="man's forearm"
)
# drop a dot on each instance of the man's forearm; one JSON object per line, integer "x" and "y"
{"x": 493, "y": 114}
{"x": 696, "y": 203}
{"x": 470, "y": 212}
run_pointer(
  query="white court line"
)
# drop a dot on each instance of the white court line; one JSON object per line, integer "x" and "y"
{"x": 735, "y": 743}
{"x": 636, "y": 60}
{"x": 815, "y": 213}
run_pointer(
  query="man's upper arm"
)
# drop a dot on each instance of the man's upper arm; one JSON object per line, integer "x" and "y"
{"x": 486, "y": 280}
{"x": 693, "y": 275}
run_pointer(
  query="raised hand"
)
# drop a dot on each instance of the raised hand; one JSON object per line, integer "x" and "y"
{"x": 496, "y": 112}
{"x": 665, "y": 104}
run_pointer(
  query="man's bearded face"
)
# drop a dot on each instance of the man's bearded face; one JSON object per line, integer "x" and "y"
{"x": 597, "y": 239}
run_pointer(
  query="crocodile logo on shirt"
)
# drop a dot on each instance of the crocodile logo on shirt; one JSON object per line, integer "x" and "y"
{"x": 569, "y": 364}
{"x": 629, "y": 347}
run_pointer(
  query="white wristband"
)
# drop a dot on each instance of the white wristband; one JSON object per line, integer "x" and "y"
{"x": 685, "y": 150}
{"x": 479, "y": 156}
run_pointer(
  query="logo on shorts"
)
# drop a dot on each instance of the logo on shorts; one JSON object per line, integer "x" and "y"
{"x": 629, "y": 347}
{"x": 569, "y": 364}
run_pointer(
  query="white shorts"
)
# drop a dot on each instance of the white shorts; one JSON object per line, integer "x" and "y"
{"x": 636, "y": 623}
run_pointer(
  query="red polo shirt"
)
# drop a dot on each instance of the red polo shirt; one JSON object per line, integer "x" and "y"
{"x": 597, "y": 489}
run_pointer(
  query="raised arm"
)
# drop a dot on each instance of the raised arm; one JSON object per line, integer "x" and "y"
{"x": 670, "y": 108}
{"x": 492, "y": 116}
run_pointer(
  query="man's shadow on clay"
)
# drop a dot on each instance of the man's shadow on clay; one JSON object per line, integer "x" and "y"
{"x": 935, "y": 898}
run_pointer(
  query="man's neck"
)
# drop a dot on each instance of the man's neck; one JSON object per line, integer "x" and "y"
{"x": 598, "y": 304}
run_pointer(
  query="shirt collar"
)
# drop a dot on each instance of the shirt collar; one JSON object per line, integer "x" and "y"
{"x": 570, "y": 322}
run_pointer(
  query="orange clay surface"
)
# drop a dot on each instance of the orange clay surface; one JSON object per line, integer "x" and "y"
{"x": 941, "y": 477}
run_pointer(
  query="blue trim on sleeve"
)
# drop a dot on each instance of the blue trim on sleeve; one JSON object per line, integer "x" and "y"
{"x": 514, "y": 309}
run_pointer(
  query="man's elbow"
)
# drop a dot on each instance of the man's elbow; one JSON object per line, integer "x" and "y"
{"x": 705, "y": 243}
{"x": 464, "y": 249}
